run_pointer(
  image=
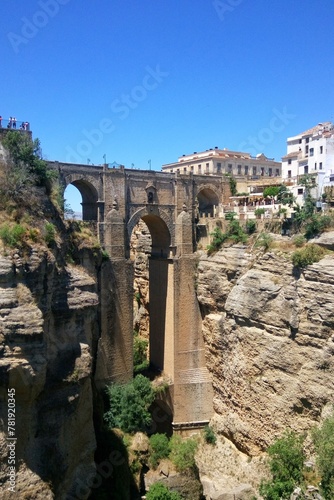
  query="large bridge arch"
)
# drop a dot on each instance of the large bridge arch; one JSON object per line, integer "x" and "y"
{"x": 160, "y": 226}
{"x": 161, "y": 287}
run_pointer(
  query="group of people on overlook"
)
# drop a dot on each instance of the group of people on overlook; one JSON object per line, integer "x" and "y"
{"x": 12, "y": 124}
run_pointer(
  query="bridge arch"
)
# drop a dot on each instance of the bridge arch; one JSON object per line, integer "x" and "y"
{"x": 160, "y": 286}
{"x": 160, "y": 226}
{"x": 207, "y": 197}
{"x": 89, "y": 196}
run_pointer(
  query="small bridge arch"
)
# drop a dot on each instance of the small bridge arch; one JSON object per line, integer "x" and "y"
{"x": 89, "y": 194}
{"x": 208, "y": 197}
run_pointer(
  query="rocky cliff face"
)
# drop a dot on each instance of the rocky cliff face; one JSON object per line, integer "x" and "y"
{"x": 269, "y": 333}
{"x": 48, "y": 332}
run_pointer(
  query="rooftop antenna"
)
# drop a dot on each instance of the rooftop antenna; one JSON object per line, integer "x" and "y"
{"x": 149, "y": 162}
{"x": 88, "y": 161}
{"x": 105, "y": 159}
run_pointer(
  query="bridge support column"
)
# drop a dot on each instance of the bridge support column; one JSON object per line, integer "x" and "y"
{"x": 192, "y": 391}
{"x": 115, "y": 350}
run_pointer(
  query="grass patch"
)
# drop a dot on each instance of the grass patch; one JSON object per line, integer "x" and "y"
{"x": 12, "y": 236}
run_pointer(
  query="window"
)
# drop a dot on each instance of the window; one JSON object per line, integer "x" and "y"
{"x": 289, "y": 174}
{"x": 207, "y": 167}
{"x": 254, "y": 170}
{"x": 320, "y": 165}
{"x": 199, "y": 168}
{"x": 192, "y": 168}
{"x": 311, "y": 151}
{"x": 306, "y": 169}
{"x": 185, "y": 169}
{"x": 315, "y": 166}
{"x": 246, "y": 169}
{"x": 229, "y": 168}
{"x": 321, "y": 149}
{"x": 278, "y": 173}
{"x": 178, "y": 170}
{"x": 262, "y": 170}
{"x": 306, "y": 150}
{"x": 270, "y": 172}
{"x": 300, "y": 141}
{"x": 219, "y": 168}
{"x": 239, "y": 169}
{"x": 300, "y": 191}
{"x": 289, "y": 161}
{"x": 307, "y": 140}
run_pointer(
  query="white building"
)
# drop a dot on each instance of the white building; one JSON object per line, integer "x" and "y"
{"x": 311, "y": 152}
{"x": 224, "y": 161}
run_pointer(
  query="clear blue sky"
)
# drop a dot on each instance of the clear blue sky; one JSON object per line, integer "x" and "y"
{"x": 155, "y": 79}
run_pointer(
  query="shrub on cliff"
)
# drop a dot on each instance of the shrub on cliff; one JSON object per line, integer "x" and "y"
{"x": 209, "y": 435}
{"x": 324, "y": 444}
{"x": 307, "y": 255}
{"x": 140, "y": 347}
{"x": 158, "y": 491}
{"x": 12, "y": 236}
{"x": 159, "y": 448}
{"x": 129, "y": 404}
{"x": 183, "y": 453}
{"x": 234, "y": 233}
{"x": 286, "y": 466}
{"x": 264, "y": 240}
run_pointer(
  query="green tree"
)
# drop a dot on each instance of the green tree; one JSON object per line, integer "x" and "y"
{"x": 129, "y": 405}
{"x": 28, "y": 154}
{"x": 323, "y": 439}
{"x": 158, "y": 491}
{"x": 183, "y": 453}
{"x": 271, "y": 191}
{"x": 285, "y": 196}
{"x": 286, "y": 466}
{"x": 159, "y": 446}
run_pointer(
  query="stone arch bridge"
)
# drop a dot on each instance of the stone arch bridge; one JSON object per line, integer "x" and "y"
{"x": 117, "y": 199}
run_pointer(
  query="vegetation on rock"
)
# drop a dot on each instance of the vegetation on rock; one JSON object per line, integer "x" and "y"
{"x": 159, "y": 449}
{"x": 324, "y": 444}
{"x": 129, "y": 405}
{"x": 286, "y": 466}
{"x": 234, "y": 233}
{"x": 182, "y": 453}
{"x": 308, "y": 255}
{"x": 289, "y": 469}
{"x": 158, "y": 491}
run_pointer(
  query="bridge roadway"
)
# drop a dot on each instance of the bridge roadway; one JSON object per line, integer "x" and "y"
{"x": 169, "y": 204}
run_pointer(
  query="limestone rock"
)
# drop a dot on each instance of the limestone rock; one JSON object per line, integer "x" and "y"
{"x": 48, "y": 322}
{"x": 269, "y": 336}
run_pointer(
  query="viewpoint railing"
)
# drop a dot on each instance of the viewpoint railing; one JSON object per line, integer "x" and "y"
{"x": 13, "y": 124}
